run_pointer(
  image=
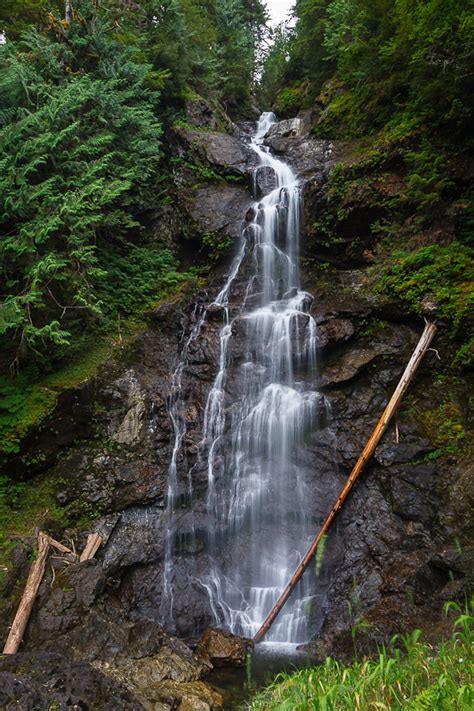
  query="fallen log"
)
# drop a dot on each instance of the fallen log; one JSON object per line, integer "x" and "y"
{"x": 408, "y": 375}
{"x": 60, "y": 547}
{"x": 34, "y": 579}
{"x": 29, "y": 596}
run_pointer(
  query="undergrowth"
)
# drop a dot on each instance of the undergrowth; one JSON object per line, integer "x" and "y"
{"x": 408, "y": 675}
{"x": 22, "y": 507}
{"x": 444, "y": 275}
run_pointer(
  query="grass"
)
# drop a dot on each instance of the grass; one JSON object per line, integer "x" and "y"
{"x": 409, "y": 675}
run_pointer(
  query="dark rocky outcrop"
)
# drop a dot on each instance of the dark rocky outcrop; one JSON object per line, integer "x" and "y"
{"x": 227, "y": 155}
{"x": 126, "y": 661}
{"x": 46, "y": 680}
{"x": 265, "y": 180}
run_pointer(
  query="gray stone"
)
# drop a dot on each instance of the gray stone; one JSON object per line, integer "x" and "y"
{"x": 129, "y": 430}
{"x": 285, "y": 129}
{"x": 223, "y": 153}
{"x": 265, "y": 180}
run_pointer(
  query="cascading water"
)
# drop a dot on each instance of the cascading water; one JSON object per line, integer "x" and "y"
{"x": 258, "y": 519}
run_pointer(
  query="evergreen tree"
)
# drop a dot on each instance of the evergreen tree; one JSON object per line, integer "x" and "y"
{"x": 80, "y": 144}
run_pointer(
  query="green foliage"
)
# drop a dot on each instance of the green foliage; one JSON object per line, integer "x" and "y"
{"x": 209, "y": 48}
{"x": 217, "y": 244}
{"x": 17, "y": 15}
{"x": 409, "y": 675}
{"x": 291, "y": 100}
{"x": 465, "y": 356}
{"x": 445, "y": 427}
{"x": 427, "y": 179}
{"x": 80, "y": 145}
{"x": 130, "y": 277}
{"x": 20, "y": 407}
{"x": 443, "y": 274}
{"x": 389, "y": 56}
{"x": 22, "y": 507}
{"x": 82, "y": 109}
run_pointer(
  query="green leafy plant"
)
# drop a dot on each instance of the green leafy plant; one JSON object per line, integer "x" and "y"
{"x": 444, "y": 274}
{"x": 408, "y": 674}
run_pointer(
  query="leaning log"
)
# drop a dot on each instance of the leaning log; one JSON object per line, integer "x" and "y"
{"x": 29, "y": 596}
{"x": 420, "y": 350}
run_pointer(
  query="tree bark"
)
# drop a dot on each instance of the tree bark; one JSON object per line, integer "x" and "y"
{"x": 68, "y": 11}
{"x": 420, "y": 350}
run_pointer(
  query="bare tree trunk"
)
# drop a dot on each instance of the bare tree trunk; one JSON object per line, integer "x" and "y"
{"x": 68, "y": 11}
{"x": 407, "y": 377}
{"x": 29, "y": 596}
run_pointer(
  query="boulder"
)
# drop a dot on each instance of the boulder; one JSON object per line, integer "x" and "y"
{"x": 217, "y": 208}
{"x": 225, "y": 154}
{"x": 222, "y": 648}
{"x": 265, "y": 181}
{"x": 289, "y": 128}
{"x": 191, "y": 696}
{"x": 200, "y": 113}
{"x": 349, "y": 366}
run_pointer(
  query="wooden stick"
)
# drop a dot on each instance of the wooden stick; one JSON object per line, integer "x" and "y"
{"x": 420, "y": 350}
{"x": 29, "y": 595}
{"x": 93, "y": 542}
{"x": 59, "y": 546}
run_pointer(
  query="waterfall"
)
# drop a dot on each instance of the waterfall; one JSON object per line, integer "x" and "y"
{"x": 253, "y": 439}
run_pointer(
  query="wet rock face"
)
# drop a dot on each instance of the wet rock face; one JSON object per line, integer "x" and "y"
{"x": 265, "y": 181}
{"x": 132, "y": 663}
{"x": 218, "y": 210}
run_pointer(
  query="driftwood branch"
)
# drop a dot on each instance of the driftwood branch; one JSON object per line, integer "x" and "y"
{"x": 420, "y": 350}
{"x": 35, "y": 577}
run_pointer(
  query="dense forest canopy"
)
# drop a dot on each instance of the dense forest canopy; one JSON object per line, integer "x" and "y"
{"x": 86, "y": 91}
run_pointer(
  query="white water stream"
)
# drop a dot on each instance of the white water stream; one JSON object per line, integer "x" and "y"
{"x": 253, "y": 440}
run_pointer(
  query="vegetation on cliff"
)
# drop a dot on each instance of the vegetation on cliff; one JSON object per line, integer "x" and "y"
{"x": 87, "y": 95}
{"x": 85, "y": 100}
{"x": 393, "y": 81}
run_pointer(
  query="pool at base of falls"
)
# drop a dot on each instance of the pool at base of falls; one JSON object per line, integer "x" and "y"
{"x": 268, "y": 659}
